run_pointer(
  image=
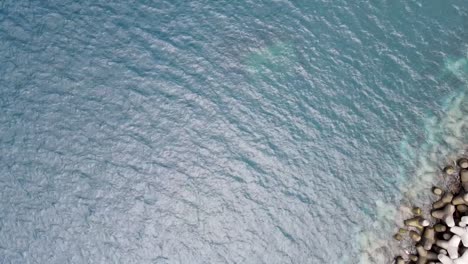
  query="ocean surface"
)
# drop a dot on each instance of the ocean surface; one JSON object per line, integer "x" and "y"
{"x": 224, "y": 131}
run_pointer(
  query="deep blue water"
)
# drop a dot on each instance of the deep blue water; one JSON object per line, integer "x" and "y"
{"x": 223, "y": 131}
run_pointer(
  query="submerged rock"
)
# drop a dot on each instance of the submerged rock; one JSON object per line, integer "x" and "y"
{"x": 398, "y": 237}
{"x": 416, "y": 211}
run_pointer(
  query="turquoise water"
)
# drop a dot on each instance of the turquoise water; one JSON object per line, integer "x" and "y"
{"x": 223, "y": 131}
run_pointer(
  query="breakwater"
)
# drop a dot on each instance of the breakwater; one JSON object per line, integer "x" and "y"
{"x": 442, "y": 236}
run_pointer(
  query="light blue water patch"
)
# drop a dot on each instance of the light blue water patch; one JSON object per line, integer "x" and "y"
{"x": 279, "y": 57}
{"x": 219, "y": 131}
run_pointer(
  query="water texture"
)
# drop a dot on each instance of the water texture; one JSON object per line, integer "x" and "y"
{"x": 223, "y": 131}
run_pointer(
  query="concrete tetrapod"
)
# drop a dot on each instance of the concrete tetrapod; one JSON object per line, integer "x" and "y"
{"x": 462, "y": 208}
{"x": 437, "y": 191}
{"x": 451, "y": 246}
{"x": 399, "y": 260}
{"x": 463, "y": 163}
{"x": 460, "y": 199}
{"x": 440, "y": 228}
{"x": 449, "y": 170}
{"x": 445, "y": 215}
{"x": 417, "y": 222}
{"x": 463, "y": 221}
{"x": 445, "y": 238}
{"x": 414, "y": 236}
{"x": 424, "y": 255}
{"x": 413, "y": 257}
{"x": 461, "y": 260}
{"x": 446, "y": 199}
{"x": 428, "y": 238}
{"x": 462, "y": 232}
{"x": 464, "y": 179}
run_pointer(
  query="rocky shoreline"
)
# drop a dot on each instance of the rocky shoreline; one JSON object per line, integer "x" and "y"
{"x": 442, "y": 238}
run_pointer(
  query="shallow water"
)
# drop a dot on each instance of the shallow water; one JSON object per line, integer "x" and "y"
{"x": 223, "y": 132}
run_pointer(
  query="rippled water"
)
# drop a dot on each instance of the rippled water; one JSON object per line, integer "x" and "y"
{"x": 223, "y": 131}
